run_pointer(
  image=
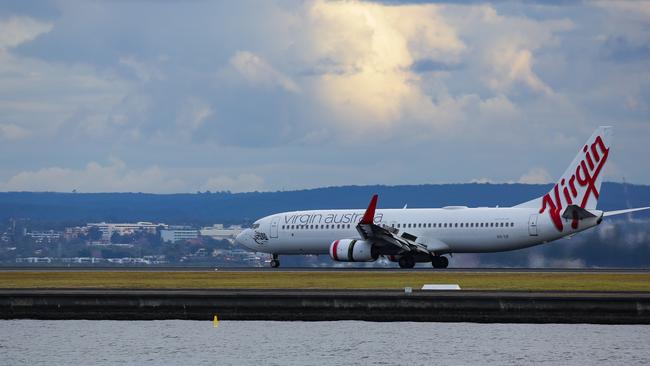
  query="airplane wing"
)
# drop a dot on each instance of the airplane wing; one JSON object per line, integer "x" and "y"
{"x": 384, "y": 235}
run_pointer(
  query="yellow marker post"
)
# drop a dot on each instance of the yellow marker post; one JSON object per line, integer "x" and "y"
{"x": 215, "y": 322}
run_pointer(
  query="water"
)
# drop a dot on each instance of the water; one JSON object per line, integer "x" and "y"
{"x": 178, "y": 342}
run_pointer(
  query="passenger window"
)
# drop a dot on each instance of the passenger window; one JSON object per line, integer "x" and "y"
{"x": 456, "y": 225}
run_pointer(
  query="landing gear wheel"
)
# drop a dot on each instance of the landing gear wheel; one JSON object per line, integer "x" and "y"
{"x": 275, "y": 263}
{"x": 406, "y": 261}
{"x": 439, "y": 262}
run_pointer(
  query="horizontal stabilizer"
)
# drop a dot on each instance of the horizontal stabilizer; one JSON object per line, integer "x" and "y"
{"x": 576, "y": 212}
{"x": 620, "y": 212}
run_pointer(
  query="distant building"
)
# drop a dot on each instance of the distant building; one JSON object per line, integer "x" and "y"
{"x": 44, "y": 236}
{"x": 173, "y": 236}
{"x": 219, "y": 232}
{"x": 107, "y": 229}
{"x": 74, "y": 232}
{"x": 34, "y": 260}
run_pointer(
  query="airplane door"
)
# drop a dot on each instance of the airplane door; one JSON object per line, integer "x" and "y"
{"x": 274, "y": 227}
{"x": 532, "y": 225}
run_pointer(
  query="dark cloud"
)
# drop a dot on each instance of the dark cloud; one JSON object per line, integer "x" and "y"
{"x": 433, "y": 65}
{"x": 620, "y": 49}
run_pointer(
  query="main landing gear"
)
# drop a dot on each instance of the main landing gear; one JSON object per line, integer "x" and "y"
{"x": 406, "y": 261}
{"x": 275, "y": 263}
{"x": 439, "y": 261}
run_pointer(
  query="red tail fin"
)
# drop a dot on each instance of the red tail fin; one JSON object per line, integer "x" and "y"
{"x": 369, "y": 216}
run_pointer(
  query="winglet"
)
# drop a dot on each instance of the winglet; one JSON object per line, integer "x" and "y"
{"x": 369, "y": 216}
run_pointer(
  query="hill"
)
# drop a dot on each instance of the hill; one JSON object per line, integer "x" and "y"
{"x": 205, "y": 208}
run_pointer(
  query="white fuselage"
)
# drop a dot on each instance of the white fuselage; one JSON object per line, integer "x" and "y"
{"x": 442, "y": 230}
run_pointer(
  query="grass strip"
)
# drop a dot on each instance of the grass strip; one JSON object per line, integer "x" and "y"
{"x": 532, "y": 281}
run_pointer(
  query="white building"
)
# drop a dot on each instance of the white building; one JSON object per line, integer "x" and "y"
{"x": 41, "y": 236}
{"x": 176, "y": 235}
{"x": 219, "y": 232}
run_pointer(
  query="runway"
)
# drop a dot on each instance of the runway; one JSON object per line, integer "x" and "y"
{"x": 319, "y": 269}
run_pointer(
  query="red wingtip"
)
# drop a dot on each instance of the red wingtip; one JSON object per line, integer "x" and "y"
{"x": 369, "y": 216}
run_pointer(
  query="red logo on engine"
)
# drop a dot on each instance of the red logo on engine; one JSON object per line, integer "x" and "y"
{"x": 586, "y": 175}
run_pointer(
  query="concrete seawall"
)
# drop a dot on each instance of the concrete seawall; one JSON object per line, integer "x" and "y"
{"x": 321, "y": 305}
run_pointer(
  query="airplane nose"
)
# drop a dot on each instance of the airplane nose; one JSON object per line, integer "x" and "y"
{"x": 245, "y": 238}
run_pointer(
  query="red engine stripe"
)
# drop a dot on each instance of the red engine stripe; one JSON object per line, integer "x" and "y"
{"x": 334, "y": 247}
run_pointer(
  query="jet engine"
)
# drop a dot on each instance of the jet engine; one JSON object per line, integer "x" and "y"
{"x": 352, "y": 250}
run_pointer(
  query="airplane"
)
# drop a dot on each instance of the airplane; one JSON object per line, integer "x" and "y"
{"x": 414, "y": 235}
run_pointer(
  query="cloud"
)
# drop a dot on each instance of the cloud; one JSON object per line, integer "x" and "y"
{"x": 193, "y": 114}
{"x": 535, "y": 176}
{"x": 515, "y": 65}
{"x": 17, "y": 30}
{"x": 257, "y": 71}
{"x": 240, "y": 183}
{"x": 364, "y": 54}
{"x": 41, "y": 98}
{"x": 12, "y": 132}
{"x": 144, "y": 71}
{"x": 95, "y": 177}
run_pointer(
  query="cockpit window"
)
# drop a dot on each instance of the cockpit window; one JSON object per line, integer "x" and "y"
{"x": 255, "y": 226}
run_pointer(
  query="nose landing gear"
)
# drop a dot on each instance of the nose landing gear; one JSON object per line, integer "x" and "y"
{"x": 275, "y": 263}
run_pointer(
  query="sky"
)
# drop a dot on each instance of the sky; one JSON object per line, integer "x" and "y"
{"x": 186, "y": 96}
